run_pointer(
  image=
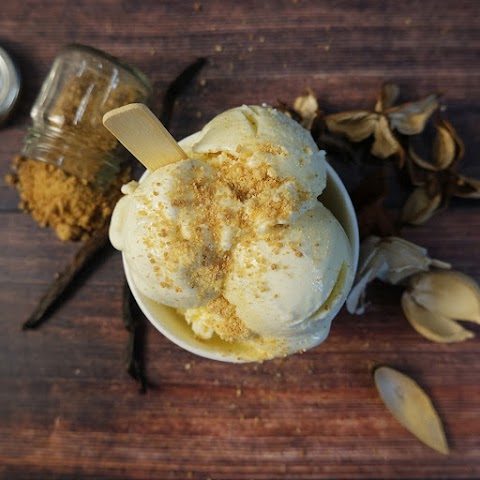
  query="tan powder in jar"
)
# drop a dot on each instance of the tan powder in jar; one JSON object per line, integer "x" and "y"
{"x": 72, "y": 207}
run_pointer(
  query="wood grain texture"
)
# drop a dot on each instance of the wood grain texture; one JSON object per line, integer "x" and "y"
{"x": 67, "y": 407}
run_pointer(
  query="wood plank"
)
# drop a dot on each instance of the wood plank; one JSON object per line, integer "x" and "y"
{"x": 67, "y": 406}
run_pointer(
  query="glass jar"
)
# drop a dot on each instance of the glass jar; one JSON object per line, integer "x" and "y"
{"x": 67, "y": 129}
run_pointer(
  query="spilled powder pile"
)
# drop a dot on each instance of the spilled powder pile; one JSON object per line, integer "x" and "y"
{"x": 72, "y": 207}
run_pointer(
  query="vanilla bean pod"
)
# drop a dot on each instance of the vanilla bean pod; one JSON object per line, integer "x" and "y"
{"x": 136, "y": 340}
{"x": 63, "y": 279}
{"x": 177, "y": 87}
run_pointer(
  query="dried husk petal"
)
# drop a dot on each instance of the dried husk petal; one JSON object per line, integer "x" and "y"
{"x": 436, "y": 328}
{"x": 356, "y": 125}
{"x": 459, "y": 146}
{"x": 368, "y": 251}
{"x": 448, "y": 293}
{"x": 437, "y": 181}
{"x": 388, "y": 96}
{"x": 385, "y": 144}
{"x": 307, "y": 107}
{"x": 404, "y": 259}
{"x": 411, "y": 407}
{"x": 390, "y": 259}
{"x": 444, "y": 147}
{"x": 420, "y": 206}
{"x": 418, "y": 176}
{"x": 466, "y": 187}
{"x": 369, "y": 265}
{"x": 410, "y": 118}
{"x": 356, "y": 301}
{"x": 419, "y": 161}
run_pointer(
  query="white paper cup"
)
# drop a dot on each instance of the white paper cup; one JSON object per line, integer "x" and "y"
{"x": 173, "y": 325}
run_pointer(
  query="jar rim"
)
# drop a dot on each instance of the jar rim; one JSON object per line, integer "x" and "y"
{"x": 10, "y": 82}
{"x": 113, "y": 59}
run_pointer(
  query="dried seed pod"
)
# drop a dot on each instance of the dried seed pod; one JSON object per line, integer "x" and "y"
{"x": 307, "y": 107}
{"x": 438, "y": 175}
{"x": 411, "y": 407}
{"x": 432, "y": 326}
{"x": 447, "y": 149}
{"x": 420, "y": 206}
{"x": 410, "y": 118}
{"x": 447, "y": 293}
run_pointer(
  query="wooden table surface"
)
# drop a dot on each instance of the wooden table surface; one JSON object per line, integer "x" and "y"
{"x": 69, "y": 410}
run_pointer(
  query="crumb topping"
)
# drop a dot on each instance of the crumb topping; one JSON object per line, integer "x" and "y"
{"x": 227, "y": 325}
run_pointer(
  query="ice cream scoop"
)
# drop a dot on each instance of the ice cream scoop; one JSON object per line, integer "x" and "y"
{"x": 234, "y": 239}
{"x": 174, "y": 230}
{"x": 280, "y": 281}
{"x": 270, "y": 161}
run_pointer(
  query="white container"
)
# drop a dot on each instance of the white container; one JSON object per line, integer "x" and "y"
{"x": 171, "y": 324}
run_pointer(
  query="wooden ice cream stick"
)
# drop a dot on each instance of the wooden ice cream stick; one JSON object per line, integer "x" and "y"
{"x": 143, "y": 135}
